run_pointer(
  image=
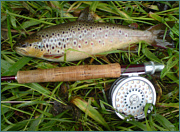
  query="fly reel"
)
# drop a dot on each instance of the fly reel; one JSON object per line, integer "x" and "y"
{"x": 129, "y": 95}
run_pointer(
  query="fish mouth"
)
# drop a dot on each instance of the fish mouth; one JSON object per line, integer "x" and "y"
{"x": 20, "y": 50}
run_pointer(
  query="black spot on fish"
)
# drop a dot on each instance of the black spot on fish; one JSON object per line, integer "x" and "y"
{"x": 46, "y": 35}
{"x": 59, "y": 43}
{"x": 74, "y": 42}
{"x": 64, "y": 46}
{"x": 90, "y": 27}
{"x": 41, "y": 49}
{"x": 58, "y": 34}
{"x": 30, "y": 44}
{"x": 52, "y": 47}
{"x": 46, "y": 45}
{"x": 78, "y": 29}
{"x": 63, "y": 32}
{"x": 52, "y": 33}
{"x": 58, "y": 51}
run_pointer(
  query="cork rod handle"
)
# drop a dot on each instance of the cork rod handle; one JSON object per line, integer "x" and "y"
{"x": 70, "y": 73}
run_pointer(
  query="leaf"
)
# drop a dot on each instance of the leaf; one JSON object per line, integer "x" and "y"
{"x": 150, "y": 55}
{"x": 29, "y": 103}
{"x": 174, "y": 60}
{"x": 13, "y": 21}
{"x": 5, "y": 65}
{"x": 175, "y": 105}
{"x": 16, "y": 109}
{"x": 8, "y": 59}
{"x": 146, "y": 108}
{"x": 35, "y": 123}
{"x": 29, "y": 23}
{"x": 139, "y": 125}
{"x": 94, "y": 5}
{"x": 156, "y": 17}
{"x": 165, "y": 123}
{"x": 93, "y": 113}
{"x": 147, "y": 125}
{"x": 9, "y": 30}
{"x": 17, "y": 66}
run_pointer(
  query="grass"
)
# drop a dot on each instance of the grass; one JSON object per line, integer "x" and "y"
{"x": 44, "y": 110}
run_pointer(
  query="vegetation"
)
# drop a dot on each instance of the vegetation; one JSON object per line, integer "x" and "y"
{"x": 42, "y": 106}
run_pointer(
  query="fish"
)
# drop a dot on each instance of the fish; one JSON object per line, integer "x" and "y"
{"x": 84, "y": 38}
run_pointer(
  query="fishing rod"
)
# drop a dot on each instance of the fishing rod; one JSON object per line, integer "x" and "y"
{"x": 83, "y": 72}
{"x": 128, "y": 95}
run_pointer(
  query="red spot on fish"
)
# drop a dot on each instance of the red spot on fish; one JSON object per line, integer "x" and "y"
{"x": 133, "y": 25}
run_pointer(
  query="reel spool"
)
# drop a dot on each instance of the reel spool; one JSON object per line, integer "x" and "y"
{"x": 129, "y": 96}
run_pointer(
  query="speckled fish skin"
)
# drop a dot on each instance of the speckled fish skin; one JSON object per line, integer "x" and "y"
{"x": 79, "y": 40}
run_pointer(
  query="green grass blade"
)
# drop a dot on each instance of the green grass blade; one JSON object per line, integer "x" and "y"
{"x": 165, "y": 123}
{"x": 93, "y": 113}
{"x": 150, "y": 55}
{"x": 17, "y": 66}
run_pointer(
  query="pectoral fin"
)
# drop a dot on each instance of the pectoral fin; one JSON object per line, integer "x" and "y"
{"x": 53, "y": 56}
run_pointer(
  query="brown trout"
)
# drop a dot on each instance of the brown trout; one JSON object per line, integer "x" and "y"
{"x": 78, "y": 40}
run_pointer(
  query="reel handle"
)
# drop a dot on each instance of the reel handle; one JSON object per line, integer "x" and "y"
{"x": 70, "y": 73}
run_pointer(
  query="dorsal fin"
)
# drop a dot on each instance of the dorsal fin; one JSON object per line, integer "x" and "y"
{"x": 86, "y": 15}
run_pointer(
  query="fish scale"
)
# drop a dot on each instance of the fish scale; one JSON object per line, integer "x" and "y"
{"x": 79, "y": 40}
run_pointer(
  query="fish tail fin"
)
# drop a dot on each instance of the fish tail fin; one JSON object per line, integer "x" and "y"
{"x": 162, "y": 39}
